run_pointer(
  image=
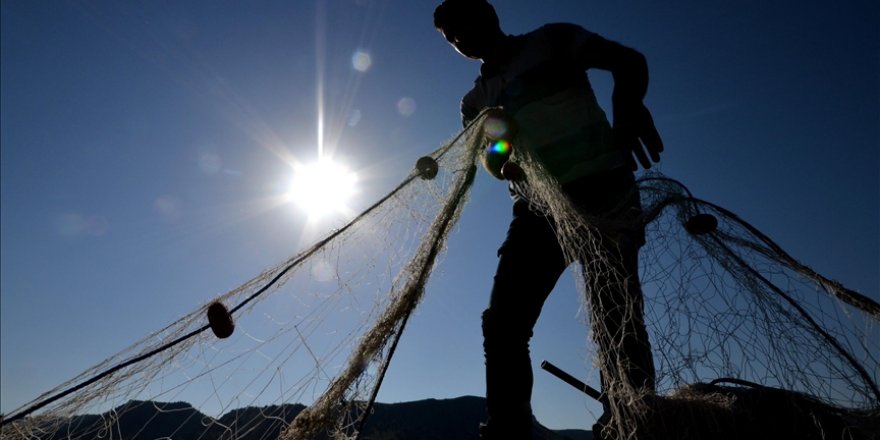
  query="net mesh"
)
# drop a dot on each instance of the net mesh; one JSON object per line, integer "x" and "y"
{"x": 721, "y": 301}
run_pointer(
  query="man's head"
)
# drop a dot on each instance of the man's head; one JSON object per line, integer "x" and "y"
{"x": 471, "y": 26}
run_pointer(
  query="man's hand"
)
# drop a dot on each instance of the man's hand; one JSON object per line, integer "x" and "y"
{"x": 635, "y": 133}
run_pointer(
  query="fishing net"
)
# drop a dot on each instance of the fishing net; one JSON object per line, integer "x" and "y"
{"x": 721, "y": 301}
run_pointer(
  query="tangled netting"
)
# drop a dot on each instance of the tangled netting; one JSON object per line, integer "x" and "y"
{"x": 722, "y": 301}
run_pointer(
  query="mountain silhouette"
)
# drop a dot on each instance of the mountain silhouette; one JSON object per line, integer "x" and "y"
{"x": 431, "y": 419}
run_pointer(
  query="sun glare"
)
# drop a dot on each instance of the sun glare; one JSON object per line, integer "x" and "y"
{"x": 322, "y": 188}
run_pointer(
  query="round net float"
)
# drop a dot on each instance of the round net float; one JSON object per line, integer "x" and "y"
{"x": 701, "y": 224}
{"x": 427, "y": 167}
{"x": 220, "y": 320}
{"x": 512, "y": 172}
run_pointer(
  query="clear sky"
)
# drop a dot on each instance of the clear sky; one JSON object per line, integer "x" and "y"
{"x": 135, "y": 178}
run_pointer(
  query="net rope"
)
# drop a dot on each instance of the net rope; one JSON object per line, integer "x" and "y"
{"x": 315, "y": 334}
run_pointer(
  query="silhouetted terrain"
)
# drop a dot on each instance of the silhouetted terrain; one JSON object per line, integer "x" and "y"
{"x": 450, "y": 419}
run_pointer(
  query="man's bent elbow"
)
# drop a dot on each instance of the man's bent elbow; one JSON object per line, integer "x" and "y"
{"x": 633, "y": 62}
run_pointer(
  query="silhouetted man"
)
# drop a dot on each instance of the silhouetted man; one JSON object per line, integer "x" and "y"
{"x": 541, "y": 76}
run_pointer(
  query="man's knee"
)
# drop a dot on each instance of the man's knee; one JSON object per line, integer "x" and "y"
{"x": 505, "y": 329}
{"x": 490, "y": 325}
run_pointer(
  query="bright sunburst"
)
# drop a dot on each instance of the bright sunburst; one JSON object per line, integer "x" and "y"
{"x": 322, "y": 188}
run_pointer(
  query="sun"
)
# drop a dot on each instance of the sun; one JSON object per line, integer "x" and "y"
{"x": 322, "y": 188}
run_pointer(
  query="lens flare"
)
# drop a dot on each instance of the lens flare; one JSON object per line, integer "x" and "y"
{"x": 500, "y": 147}
{"x": 361, "y": 61}
{"x": 406, "y": 106}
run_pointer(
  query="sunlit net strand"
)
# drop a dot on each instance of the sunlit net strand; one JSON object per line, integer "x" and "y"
{"x": 339, "y": 402}
{"x": 195, "y": 319}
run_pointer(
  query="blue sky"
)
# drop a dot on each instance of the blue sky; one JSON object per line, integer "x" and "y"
{"x": 134, "y": 176}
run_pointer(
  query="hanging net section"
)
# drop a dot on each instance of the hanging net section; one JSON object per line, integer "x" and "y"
{"x": 316, "y": 329}
{"x": 747, "y": 342}
{"x": 300, "y": 351}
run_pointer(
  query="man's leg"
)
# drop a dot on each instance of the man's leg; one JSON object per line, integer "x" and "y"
{"x": 615, "y": 294}
{"x": 618, "y": 317}
{"x": 530, "y": 263}
{"x": 618, "y": 327}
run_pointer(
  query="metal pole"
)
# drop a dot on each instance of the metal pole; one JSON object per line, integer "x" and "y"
{"x": 573, "y": 381}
